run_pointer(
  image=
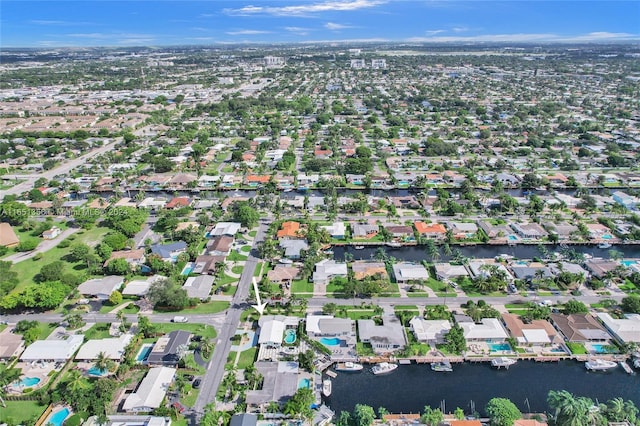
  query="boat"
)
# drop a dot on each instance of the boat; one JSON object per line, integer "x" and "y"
{"x": 441, "y": 366}
{"x": 503, "y": 362}
{"x": 326, "y": 387}
{"x": 348, "y": 366}
{"x": 394, "y": 244}
{"x": 359, "y": 247}
{"x": 636, "y": 362}
{"x": 627, "y": 368}
{"x": 604, "y": 245}
{"x": 383, "y": 368}
{"x": 599, "y": 364}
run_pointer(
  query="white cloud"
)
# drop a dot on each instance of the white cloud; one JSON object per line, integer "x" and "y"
{"x": 306, "y": 9}
{"x": 434, "y": 32}
{"x": 460, "y": 29}
{"x": 335, "y": 27}
{"x": 247, "y": 32}
{"x": 59, "y": 23}
{"x": 528, "y": 37}
{"x": 298, "y": 30}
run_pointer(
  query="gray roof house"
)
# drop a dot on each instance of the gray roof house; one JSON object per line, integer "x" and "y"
{"x": 384, "y": 338}
{"x": 101, "y": 288}
{"x": 405, "y": 272}
{"x": 199, "y": 287}
{"x": 327, "y": 269}
{"x": 169, "y": 348}
{"x": 245, "y": 419}
{"x": 292, "y": 248}
{"x": 169, "y": 251}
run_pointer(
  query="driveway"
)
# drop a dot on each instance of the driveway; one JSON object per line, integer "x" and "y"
{"x": 44, "y": 246}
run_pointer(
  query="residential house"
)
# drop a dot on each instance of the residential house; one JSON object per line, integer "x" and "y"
{"x": 152, "y": 203}
{"x": 244, "y": 419}
{"x": 402, "y": 232}
{"x": 327, "y": 269}
{"x": 272, "y": 329}
{"x": 52, "y": 233}
{"x": 8, "y": 237}
{"x": 488, "y": 330}
{"x": 54, "y": 350}
{"x": 140, "y": 287}
{"x": 293, "y": 248}
{"x": 283, "y": 274}
{"x": 225, "y": 228}
{"x": 169, "y": 349}
{"x": 256, "y": 181}
{"x": 337, "y": 230}
{"x": 434, "y": 231}
{"x": 280, "y": 382}
{"x": 530, "y": 231}
{"x": 199, "y": 287}
{"x": 101, "y": 288}
{"x": 534, "y": 333}
{"x": 564, "y": 231}
{"x": 405, "y": 202}
{"x": 207, "y": 264}
{"x": 629, "y": 202}
{"x": 151, "y": 392}
{"x": 134, "y": 258}
{"x": 178, "y": 203}
{"x": 11, "y": 344}
{"x": 579, "y": 328}
{"x": 462, "y": 230}
{"x": 363, "y": 269}
{"x": 169, "y": 252}
{"x": 364, "y": 231}
{"x": 599, "y": 268}
{"x": 528, "y": 273}
{"x": 112, "y": 347}
{"x": 385, "y": 338}
{"x": 477, "y": 269}
{"x": 290, "y": 230}
{"x": 624, "y": 330}
{"x": 447, "y": 271}
{"x": 405, "y": 272}
{"x": 219, "y": 246}
{"x": 429, "y": 331}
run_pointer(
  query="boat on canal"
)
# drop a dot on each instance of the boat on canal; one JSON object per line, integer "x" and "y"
{"x": 326, "y": 387}
{"x": 627, "y": 368}
{"x": 503, "y": 361}
{"x": 599, "y": 364}
{"x": 383, "y": 368}
{"x": 349, "y": 367}
{"x": 441, "y": 366}
{"x": 604, "y": 245}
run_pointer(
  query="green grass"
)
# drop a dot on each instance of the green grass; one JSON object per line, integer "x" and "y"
{"x": 200, "y": 329}
{"x": 234, "y": 256}
{"x": 301, "y": 286}
{"x": 238, "y": 269}
{"x": 225, "y": 280}
{"x": 130, "y": 309}
{"x": 405, "y": 308}
{"x": 206, "y": 308}
{"x": 20, "y": 412}
{"x": 253, "y": 234}
{"x": 245, "y": 249}
{"x": 45, "y": 330}
{"x": 417, "y": 294}
{"x": 577, "y": 348}
{"x": 98, "y": 331}
{"x": 247, "y": 358}
{"x": 189, "y": 399}
{"x": 359, "y": 314}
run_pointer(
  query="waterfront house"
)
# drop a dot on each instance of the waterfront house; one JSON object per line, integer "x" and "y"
{"x": 529, "y": 231}
{"x": 151, "y": 392}
{"x": 495, "y": 231}
{"x": 462, "y": 230}
{"x": 528, "y": 273}
{"x": 364, "y": 231}
{"x": 207, "y": 264}
{"x": 385, "y": 338}
{"x": 625, "y": 200}
{"x": 152, "y": 203}
{"x": 624, "y": 330}
{"x": 478, "y": 269}
{"x": 402, "y": 232}
{"x": 599, "y": 268}
{"x": 293, "y": 248}
{"x": 564, "y": 231}
{"x": 434, "y": 231}
{"x": 405, "y": 202}
{"x": 271, "y": 331}
{"x": 319, "y": 326}
{"x": 337, "y": 230}
{"x": 328, "y": 269}
{"x": 169, "y": 252}
{"x": 244, "y": 419}
{"x": 279, "y": 383}
{"x": 363, "y": 269}
{"x": 8, "y": 237}
{"x": 579, "y": 328}
{"x": 178, "y": 203}
{"x": 199, "y": 287}
{"x": 170, "y": 348}
{"x": 101, "y": 288}
{"x": 447, "y": 271}
{"x": 535, "y": 333}
{"x": 430, "y": 332}
{"x": 405, "y": 272}
{"x": 489, "y": 330}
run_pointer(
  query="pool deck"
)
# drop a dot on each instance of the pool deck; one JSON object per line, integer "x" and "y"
{"x": 33, "y": 369}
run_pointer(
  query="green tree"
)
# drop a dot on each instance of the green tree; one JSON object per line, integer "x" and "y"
{"x": 455, "y": 340}
{"x": 502, "y": 412}
{"x": 631, "y": 304}
{"x": 245, "y": 214}
{"x": 299, "y": 405}
{"x": 574, "y": 307}
{"x": 115, "y": 298}
{"x": 431, "y": 417}
{"x": 363, "y": 415}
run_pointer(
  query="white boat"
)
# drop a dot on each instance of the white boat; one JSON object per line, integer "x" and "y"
{"x": 636, "y": 363}
{"x": 604, "y": 245}
{"x": 326, "y": 387}
{"x": 598, "y": 364}
{"x": 441, "y": 366}
{"x": 503, "y": 362}
{"x": 627, "y": 368}
{"x": 383, "y": 368}
{"x": 394, "y": 244}
{"x": 359, "y": 247}
{"x": 348, "y": 367}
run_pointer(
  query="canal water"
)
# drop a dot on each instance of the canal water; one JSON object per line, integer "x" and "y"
{"x": 410, "y": 387}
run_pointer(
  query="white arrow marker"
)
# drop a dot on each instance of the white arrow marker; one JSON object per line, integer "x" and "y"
{"x": 260, "y": 306}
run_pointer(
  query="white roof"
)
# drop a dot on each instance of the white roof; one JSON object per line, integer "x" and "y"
{"x": 532, "y": 335}
{"x": 53, "y": 349}
{"x": 113, "y": 347}
{"x": 490, "y": 328}
{"x": 225, "y": 228}
{"x": 101, "y": 286}
{"x": 627, "y": 329}
{"x": 312, "y": 323}
{"x": 151, "y": 391}
{"x": 410, "y": 271}
{"x": 337, "y": 228}
{"x": 140, "y": 287}
{"x": 429, "y": 329}
{"x": 271, "y": 332}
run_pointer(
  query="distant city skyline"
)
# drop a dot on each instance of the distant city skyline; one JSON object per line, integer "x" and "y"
{"x": 86, "y": 23}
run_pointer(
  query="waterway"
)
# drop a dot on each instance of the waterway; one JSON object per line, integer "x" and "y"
{"x": 527, "y": 383}
{"x": 485, "y": 251}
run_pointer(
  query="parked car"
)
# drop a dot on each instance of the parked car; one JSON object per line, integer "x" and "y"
{"x": 180, "y": 319}
{"x": 196, "y": 383}
{"x": 179, "y": 407}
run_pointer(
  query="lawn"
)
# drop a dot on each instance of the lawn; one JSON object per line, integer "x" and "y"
{"x": 206, "y": 308}
{"x": 20, "y": 412}
{"x": 253, "y": 234}
{"x": 190, "y": 398}
{"x": 358, "y": 314}
{"x": 577, "y": 348}
{"x": 199, "y": 329}
{"x": 225, "y": 280}
{"x": 98, "y": 331}
{"x": 234, "y": 256}
{"x": 238, "y": 269}
{"x": 245, "y": 249}
{"x": 405, "y": 308}
{"x": 247, "y": 358}
{"x": 130, "y": 309}
{"x": 45, "y": 330}
{"x": 301, "y": 286}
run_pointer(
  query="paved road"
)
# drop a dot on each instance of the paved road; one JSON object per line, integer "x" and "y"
{"x": 215, "y": 372}
{"x": 64, "y": 168}
{"x": 44, "y": 246}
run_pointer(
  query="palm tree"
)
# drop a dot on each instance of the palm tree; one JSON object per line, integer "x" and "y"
{"x": 7, "y": 376}
{"x": 76, "y": 381}
{"x": 206, "y": 347}
{"x": 102, "y": 362}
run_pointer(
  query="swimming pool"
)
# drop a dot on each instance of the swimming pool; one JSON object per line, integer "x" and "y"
{"x": 495, "y": 347}
{"x": 95, "y": 371}
{"x": 58, "y": 417}
{"x": 607, "y": 236}
{"x": 628, "y": 263}
{"x": 144, "y": 352}
{"x": 304, "y": 384}
{"x": 27, "y": 382}
{"x": 513, "y": 238}
{"x": 334, "y": 341}
{"x": 290, "y": 336}
{"x": 188, "y": 268}
{"x": 602, "y": 349}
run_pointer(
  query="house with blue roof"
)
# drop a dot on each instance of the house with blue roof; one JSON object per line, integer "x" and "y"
{"x": 169, "y": 252}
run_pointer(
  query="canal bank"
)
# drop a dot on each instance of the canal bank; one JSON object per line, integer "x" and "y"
{"x": 470, "y": 386}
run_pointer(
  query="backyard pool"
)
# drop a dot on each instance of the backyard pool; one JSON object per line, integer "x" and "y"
{"x": 334, "y": 341}
{"x": 57, "y": 418}
{"x": 95, "y": 371}
{"x": 498, "y": 347}
{"x": 607, "y": 236}
{"x": 602, "y": 349}
{"x": 304, "y": 384}
{"x": 628, "y": 263}
{"x": 27, "y": 382}
{"x": 290, "y": 336}
{"x": 144, "y": 352}
{"x": 188, "y": 268}
{"x": 513, "y": 238}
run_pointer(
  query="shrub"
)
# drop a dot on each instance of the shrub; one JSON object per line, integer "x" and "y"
{"x": 37, "y": 257}
{"x": 64, "y": 243}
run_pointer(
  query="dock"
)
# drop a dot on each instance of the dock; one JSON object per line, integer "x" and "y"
{"x": 331, "y": 374}
{"x": 627, "y": 368}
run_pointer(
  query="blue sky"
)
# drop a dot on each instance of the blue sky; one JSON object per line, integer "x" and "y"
{"x": 27, "y": 23}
